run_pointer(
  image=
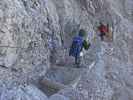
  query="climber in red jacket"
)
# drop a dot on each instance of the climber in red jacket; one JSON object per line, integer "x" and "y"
{"x": 103, "y": 30}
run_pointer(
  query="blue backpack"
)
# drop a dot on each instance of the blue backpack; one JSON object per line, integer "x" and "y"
{"x": 76, "y": 46}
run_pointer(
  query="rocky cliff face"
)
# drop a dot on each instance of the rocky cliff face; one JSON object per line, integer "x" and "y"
{"x": 36, "y": 34}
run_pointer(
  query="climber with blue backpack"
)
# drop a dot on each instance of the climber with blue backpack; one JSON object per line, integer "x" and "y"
{"x": 77, "y": 46}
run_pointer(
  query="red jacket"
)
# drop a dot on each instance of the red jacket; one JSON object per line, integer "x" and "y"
{"x": 103, "y": 29}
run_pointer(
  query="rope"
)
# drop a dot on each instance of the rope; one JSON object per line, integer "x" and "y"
{"x": 11, "y": 47}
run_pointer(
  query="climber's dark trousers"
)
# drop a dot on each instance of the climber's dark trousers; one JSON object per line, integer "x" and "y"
{"x": 77, "y": 61}
{"x": 102, "y": 36}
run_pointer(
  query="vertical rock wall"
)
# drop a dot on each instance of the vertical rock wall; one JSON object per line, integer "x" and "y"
{"x": 33, "y": 34}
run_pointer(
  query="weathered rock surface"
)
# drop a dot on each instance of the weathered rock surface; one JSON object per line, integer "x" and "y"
{"x": 28, "y": 92}
{"x": 58, "y": 97}
{"x": 36, "y": 34}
